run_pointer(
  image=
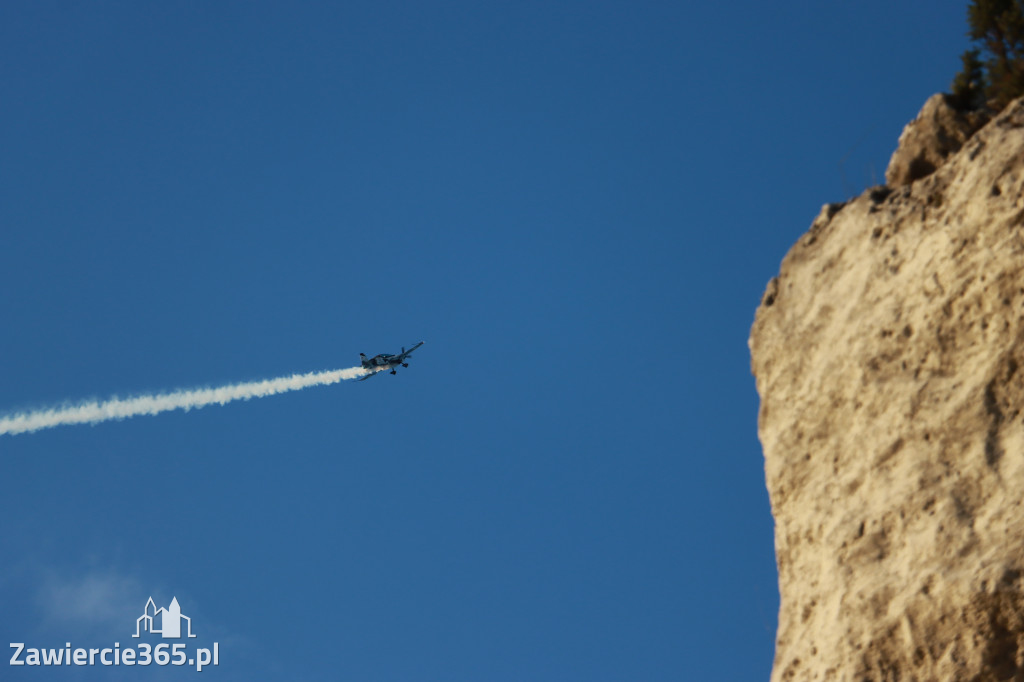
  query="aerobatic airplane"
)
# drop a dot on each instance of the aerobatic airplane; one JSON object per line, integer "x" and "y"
{"x": 386, "y": 361}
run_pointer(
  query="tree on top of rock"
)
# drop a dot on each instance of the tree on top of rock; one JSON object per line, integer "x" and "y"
{"x": 997, "y": 27}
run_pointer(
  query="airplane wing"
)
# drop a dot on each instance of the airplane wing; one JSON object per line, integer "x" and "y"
{"x": 406, "y": 353}
{"x": 364, "y": 378}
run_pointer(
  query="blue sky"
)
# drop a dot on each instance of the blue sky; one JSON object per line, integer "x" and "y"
{"x": 577, "y": 206}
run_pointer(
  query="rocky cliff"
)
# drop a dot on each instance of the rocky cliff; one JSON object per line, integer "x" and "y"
{"x": 889, "y": 357}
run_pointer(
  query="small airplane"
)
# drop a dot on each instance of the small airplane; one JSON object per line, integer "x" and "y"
{"x": 386, "y": 361}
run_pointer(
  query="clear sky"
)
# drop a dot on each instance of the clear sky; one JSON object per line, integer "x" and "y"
{"x": 577, "y": 206}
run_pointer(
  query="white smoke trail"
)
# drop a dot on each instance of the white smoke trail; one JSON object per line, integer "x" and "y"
{"x": 121, "y": 408}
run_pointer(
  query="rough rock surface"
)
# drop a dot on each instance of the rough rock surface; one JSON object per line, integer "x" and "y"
{"x": 889, "y": 356}
{"x": 938, "y": 131}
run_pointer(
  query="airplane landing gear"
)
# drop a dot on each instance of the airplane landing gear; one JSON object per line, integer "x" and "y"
{"x": 394, "y": 372}
{"x": 405, "y": 364}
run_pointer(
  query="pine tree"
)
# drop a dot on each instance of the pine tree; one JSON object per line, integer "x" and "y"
{"x": 969, "y": 84}
{"x": 997, "y": 26}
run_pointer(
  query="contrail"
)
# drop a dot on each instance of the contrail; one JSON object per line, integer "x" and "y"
{"x": 94, "y": 412}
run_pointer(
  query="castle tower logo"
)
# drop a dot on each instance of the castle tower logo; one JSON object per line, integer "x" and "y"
{"x": 164, "y": 622}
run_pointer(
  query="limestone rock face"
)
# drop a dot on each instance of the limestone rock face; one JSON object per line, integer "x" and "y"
{"x": 938, "y": 131}
{"x": 889, "y": 357}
